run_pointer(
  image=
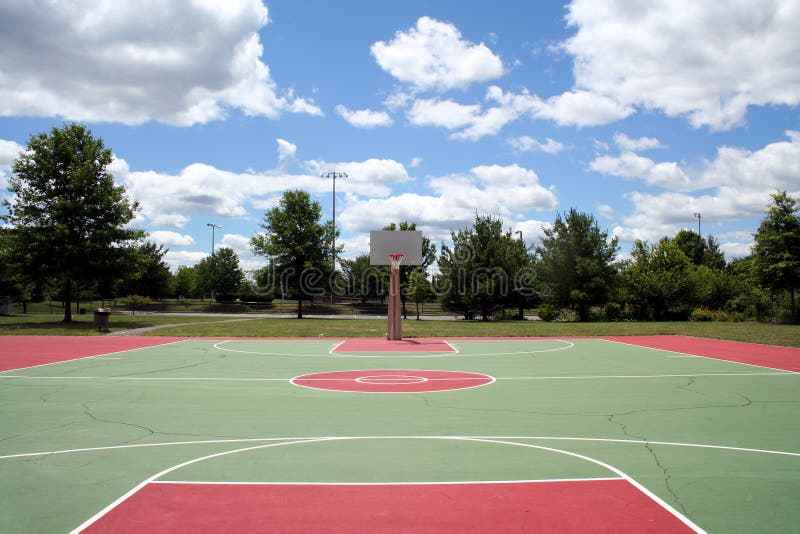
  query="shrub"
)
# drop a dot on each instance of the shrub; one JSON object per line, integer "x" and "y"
{"x": 547, "y": 312}
{"x": 704, "y": 314}
{"x": 613, "y": 311}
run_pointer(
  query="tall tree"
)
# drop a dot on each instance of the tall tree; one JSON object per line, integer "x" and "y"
{"x": 576, "y": 262}
{"x": 221, "y": 273}
{"x": 700, "y": 251}
{"x": 659, "y": 280}
{"x": 363, "y": 280}
{"x": 477, "y": 272}
{"x": 148, "y": 274}
{"x": 777, "y": 247}
{"x": 67, "y": 212}
{"x": 297, "y": 243}
{"x": 185, "y": 281}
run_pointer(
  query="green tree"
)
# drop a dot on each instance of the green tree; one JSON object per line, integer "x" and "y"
{"x": 477, "y": 272}
{"x": 363, "y": 280}
{"x": 575, "y": 262}
{"x": 659, "y": 280}
{"x": 419, "y": 288}
{"x": 148, "y": 274}
{"x": 297, "y": 244}
{"x": 14, "y": 282}
{"x": 777, "y": 247}
{"x": 67, "y": 212}
{"x": 220, "y": 274}
{"x": 700, "y": 251}
{"x": 185, "y": 281}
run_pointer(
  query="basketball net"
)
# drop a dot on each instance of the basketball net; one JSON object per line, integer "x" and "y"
{"x": 396, "y": 259}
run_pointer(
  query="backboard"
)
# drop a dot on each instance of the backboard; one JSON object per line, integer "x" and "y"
{"x": 385, "y": 242}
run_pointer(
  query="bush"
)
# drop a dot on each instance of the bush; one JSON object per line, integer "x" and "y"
{"x": 704, "y": 314}
{"x": 613, "y": 311}
{"x": 547, "y": 312}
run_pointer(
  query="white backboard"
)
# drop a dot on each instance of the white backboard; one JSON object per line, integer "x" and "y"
{"x": 385, "y": 242}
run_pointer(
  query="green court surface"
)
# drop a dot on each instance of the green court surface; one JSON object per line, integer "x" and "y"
{"x": 717, "y": 441}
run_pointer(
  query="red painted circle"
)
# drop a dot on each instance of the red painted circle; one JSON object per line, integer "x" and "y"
{"x": 392, "y": 380}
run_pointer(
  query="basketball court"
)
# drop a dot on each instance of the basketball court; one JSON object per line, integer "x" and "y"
{"x": 657, "y": 434}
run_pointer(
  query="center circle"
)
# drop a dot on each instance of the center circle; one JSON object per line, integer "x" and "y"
{"x": 392, "y": 380}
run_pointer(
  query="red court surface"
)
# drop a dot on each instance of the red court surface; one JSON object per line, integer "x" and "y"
{"x": 783, "y": 358}
{"x": 19, "y": 352}
{"x": 392, "y": 380}
{"x": 387, "y": 345}
{"x": 558, "y": 506}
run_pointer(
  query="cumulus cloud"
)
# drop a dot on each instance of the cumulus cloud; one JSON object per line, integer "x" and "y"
{"x": 372, "y": 177}
{"x": 171, "y": 239}
{"x": 286, "y": 151}
{"x": 636, "y": 145}
{"x": 9, "y": 151}
{"x": 176, "y": 258}
{"x": 532, "y": 230}
{"x": 581, "y": 108}
{"x": 364, "y": 118}
{"x": 499, "y": 190}
{"x": 741, "y": 182}
{"x": 182, "y": 63}
{"x": 707, "y": 61}
{"x": 525, "y": 143}
{"x": 629, "y": 165}
{"x": 434, "y": 56}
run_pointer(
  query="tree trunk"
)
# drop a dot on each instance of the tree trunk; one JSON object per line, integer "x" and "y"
{"x": 67, "y": 300}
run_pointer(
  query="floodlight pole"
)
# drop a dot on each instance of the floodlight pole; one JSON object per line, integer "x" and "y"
{"x": 334, "y": 175}
{"x": 213, "y": 227}
{"x": 698, "y": 216}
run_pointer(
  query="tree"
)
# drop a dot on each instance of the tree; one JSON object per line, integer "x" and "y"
{"x": 148, "y": 274}
{"x": 576, "y": 262}
{"x": 221, "y": 273}
{"x": 363, "y": 280}
{"x": 659, "y": 280}
{"x": 777, "y": 247}
{"x": 297, "y": 243}
{"x": 67, "y": 213}
{"x": 185, "y": 281}
{"x": 419, "y": 288}
{"x": 700, "y": 251}
{"x": 477, "y": 272}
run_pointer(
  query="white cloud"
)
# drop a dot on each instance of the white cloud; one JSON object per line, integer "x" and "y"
{"x": 581, "y": 108}
{"x": 182, "y": 63}
{"x": 527, "y": 144}
{"x": 629, "y": 165}
{"x": 636, "y": 145}
{"x": 415, "y": 162}
{"x": 286, "y": 151}
{"x": 498, "y": 190}
{"x": 443, "y": 113}
{"x": 433, "y": 55}
{"x": 708, "y": 61}
{"x": 176, "y": 258}
{"x": 9, "y": 151}
{"x": 372, "y": 177}
{"x": 605, "y": 211}
{"x": 364, "y": 118}
{"x": 171, "y": 239}
{"x": 532, "y": 230}
{"x": 241, "y": 246}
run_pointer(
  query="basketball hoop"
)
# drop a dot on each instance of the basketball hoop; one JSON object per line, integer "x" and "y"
{"x": 396, "y": 259}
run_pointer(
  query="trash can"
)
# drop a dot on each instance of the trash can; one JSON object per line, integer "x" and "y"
{"x": 101, "y": 317}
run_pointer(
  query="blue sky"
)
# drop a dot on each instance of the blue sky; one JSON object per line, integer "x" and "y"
{"x": 641, "y": 113}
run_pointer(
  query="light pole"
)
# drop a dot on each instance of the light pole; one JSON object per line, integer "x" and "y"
{"x": 213, "y": 227}
{"x": 520, "y": 234}
{"x": 334, "y": 175}
{"x": 698, "y": 217}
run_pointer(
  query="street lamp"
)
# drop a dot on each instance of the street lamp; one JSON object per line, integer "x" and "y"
{"x": 698, "y": 217}
{"x": 213, "y": 227}
{"x": 334, "y": 175}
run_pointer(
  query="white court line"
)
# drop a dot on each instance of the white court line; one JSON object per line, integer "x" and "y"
{"x": 237, "y": 379}
{"x": 219, "y": 347}
{"x": 455, "y": 482}
{"x": 682, "y": 518}
{"x": 698, "y": 356}
{"x": 95, "y": 356}
{"x": 570, "y": 345}
{"x": 298, "y": 439}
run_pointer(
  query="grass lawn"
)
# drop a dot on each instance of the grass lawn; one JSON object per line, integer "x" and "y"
{"x": 47, "y": 324}
{"x": 771, "y": 334}
{"x": 199, "y": 326}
